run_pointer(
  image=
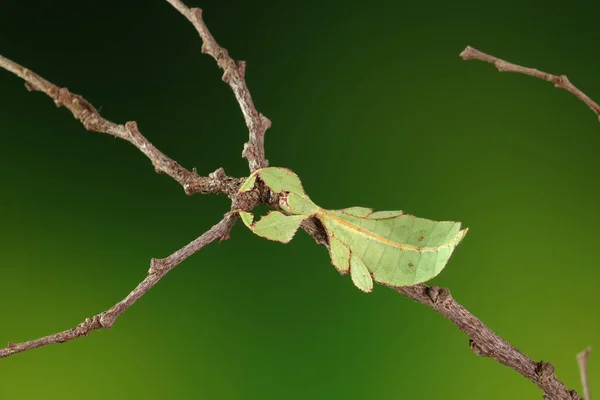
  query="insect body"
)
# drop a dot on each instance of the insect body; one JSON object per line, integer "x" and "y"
{"x": 389, "y": 247}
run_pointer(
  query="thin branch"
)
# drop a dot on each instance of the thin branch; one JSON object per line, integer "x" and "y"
{"x": 582, "y": 358}
{"x": 234, "y": 75}
{"x": 92, "y": 121}
{"x": 158, "y": 269}
{"x": 485, "y": 342}
{"x": 561, "y": 81}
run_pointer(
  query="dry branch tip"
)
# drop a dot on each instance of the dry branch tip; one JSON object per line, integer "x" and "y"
{"x": 582, "y": 360}
{"x": 561, "y": 82}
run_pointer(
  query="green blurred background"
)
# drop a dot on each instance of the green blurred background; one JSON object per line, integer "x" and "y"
{"x": 372, "y": 106}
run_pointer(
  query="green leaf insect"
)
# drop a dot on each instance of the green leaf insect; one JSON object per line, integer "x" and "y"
{"x": 389, "y": 247}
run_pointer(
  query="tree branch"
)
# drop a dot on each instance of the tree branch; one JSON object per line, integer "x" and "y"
{"x": 234, "y": 75}
{"x": 561, "y": 82}
{"x": 216, "y": 182}
{"x": 484, "y": 342}
{"x": 82, "y": 110}
{"x": 582, "y": 358}
{"x": 158, "y": 269}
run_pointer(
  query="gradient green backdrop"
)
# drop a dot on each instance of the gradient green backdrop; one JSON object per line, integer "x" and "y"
{"x": 371, "y": 105}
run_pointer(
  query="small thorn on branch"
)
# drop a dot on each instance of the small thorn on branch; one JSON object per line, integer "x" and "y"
{"x": 217, "y": 174}
{"x": 477, "y": 349}
{"x": 544, "y": 370}
{"x": 107, "y": 320}
{"x": 156, "y": 265}
{"x": 265, "y": 123}
{"x": 30, "y": 87}
{"x": 433, "y": 292}
{"x": 438, "y": 295}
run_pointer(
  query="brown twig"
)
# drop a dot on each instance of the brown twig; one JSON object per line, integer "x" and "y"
{"x": 484, "y": 342}
{"x": 582, "y": 358}
{"x": 158, "y": 269}
{"x": 92, "y": 121}
{"x": 234, "y": 75}
{"x": 561, "y": 81}
{"x": 216, "y": 182}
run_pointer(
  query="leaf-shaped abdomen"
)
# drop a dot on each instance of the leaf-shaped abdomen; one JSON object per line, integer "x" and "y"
{"x": 401, "y": 250}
